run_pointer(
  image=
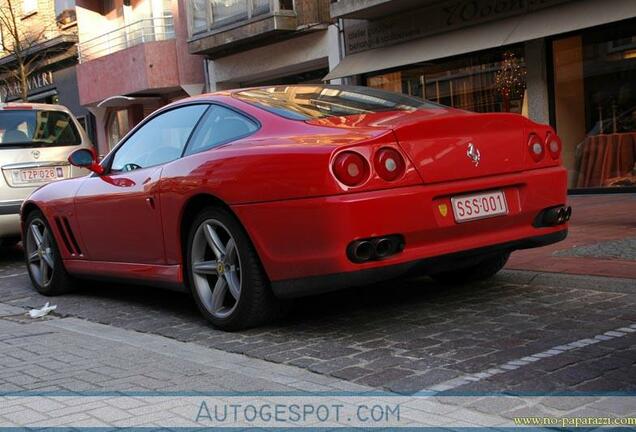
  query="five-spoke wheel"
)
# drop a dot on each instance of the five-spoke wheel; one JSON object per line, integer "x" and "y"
{"x": 42, "y": 256}
{"x": 39, "y": 252}
{"x": 225, "y": 274}
{"x": 216, "y": 266}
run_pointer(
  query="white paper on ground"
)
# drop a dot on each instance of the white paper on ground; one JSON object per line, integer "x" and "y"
{"x": 44, "y": 310}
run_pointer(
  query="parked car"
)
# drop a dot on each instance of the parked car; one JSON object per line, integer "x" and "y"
{"x": 35, "y": 142}
{"x": 250, "y": 196}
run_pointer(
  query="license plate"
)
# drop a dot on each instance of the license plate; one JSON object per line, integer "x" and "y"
{"x": 37, "y": 175}
{"x": 479, "y": 206}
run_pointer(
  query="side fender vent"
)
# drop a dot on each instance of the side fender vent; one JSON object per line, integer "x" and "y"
{"x": 68, "y": 238}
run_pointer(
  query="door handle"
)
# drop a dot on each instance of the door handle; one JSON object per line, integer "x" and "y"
{"x": 151, "y": 202}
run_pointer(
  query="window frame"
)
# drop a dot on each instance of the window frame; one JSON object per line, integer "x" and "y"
{"x": 108, "y": 160}
{"x": 225, "y": 142}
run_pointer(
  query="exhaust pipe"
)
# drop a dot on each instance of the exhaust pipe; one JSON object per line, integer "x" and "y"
{"x": 383, "y": 247}
{"x": 550, "y": 217}
{"x": 360, "y": 251}
{"x": 560, "y": 216}
{"x": 553, "y": 216}
{"x": 375, "y": 248}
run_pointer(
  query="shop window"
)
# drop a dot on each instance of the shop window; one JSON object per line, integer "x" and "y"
{"x": 65, "y": 12}
{"x": 118, "y": 126}
{"x": 491, "y": 81}
{"x": 595, "y": 105}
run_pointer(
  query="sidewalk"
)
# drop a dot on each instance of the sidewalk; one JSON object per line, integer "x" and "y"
{"x": 601, "y": 241}
{"x": 70, "y": 354}
{"x": 74, "y": 373}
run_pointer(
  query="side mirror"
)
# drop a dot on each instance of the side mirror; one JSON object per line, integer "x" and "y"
{"x": 85, "y": 158}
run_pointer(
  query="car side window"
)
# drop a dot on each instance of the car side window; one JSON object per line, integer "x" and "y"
{"x": 160, "y": 140}
{"x": 219, "y": 126}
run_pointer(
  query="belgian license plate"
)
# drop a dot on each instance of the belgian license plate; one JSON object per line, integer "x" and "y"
{"x": 37, "y": 175}
{"x": 479, "y": 206}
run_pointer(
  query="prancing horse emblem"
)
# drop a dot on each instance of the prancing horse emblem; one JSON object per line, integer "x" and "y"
{"x": 473, "y": 154}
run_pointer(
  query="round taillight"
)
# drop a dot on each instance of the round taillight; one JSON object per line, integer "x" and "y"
{"x": 553, "y": 144}
{"x": 535, "y": 147}
{"x": 389, "y": 164}
{"x": 351, "y": 168}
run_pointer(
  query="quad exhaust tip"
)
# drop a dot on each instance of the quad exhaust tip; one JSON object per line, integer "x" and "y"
{"x": 375, "y": 248}
{"x": 553, "y": 216}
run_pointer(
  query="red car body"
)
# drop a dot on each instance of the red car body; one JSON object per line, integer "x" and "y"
{"x": 280, "y": 184}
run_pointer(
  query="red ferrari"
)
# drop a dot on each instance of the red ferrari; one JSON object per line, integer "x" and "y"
{"x": 251, "y": 196}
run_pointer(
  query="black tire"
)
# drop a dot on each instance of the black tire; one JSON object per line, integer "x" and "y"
{"x": 485, "y": 269}
{"x": 256, "y": 304}
{"x": 60, "y": 282}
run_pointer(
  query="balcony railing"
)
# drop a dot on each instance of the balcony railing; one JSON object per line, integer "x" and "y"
{"x": 208, "y": 15}
{"x": 138, "y": 32}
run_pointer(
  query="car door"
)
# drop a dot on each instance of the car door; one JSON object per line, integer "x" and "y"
{"x": 119, "y": 213}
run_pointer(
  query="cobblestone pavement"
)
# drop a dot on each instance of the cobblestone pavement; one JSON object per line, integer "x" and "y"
{"x": 624, "y": 249}
{"x": 522, "y": 331}
{"x": 74, "y": 373}
{"x": 601, "y": 240}
{"x": 74, "y": 355}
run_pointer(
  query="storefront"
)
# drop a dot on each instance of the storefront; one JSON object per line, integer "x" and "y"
{"x": 572, "y": 64}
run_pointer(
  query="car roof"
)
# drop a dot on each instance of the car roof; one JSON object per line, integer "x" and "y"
{"x": 231, "y": 92}
{"x": 33, "y": 106}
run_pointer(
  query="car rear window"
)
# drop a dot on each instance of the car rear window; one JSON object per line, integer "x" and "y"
{"x": 311, "y": 102}
{"x": 37, "y": 128}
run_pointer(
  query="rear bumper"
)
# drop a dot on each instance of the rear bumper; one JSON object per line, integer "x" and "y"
{"x": 304, "y": 238}
{"x": 302, "y": 287}
{"x": 10, "y": 218}
{"x": 10, "y": 207}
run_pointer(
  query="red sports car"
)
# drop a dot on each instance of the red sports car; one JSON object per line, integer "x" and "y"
{"x": 251, "y": 196}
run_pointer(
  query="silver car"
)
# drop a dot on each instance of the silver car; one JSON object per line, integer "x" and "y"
{"x": 35, "y": 141}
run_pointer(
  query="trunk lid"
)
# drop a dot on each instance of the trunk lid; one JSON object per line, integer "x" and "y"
{"x": 446, "y": 144}
{"x": 456, "y": 145}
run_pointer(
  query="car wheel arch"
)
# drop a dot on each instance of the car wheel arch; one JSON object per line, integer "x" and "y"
{"x": 192, "y": 207}
{"x": 27, "y": 208}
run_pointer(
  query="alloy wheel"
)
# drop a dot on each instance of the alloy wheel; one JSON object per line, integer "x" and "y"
{"x": 216, "y": 268}
{"x": 39, "y": 251}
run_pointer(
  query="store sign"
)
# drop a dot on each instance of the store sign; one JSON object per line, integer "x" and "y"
{"x": 34, "y": 82}
{"x": 439, "y": 18}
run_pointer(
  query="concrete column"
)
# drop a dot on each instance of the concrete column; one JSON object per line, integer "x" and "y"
{"x": 537, "y": 81}
{"x": 334, "y": 49}
{"x": 212, "y": 83}
{"x": 210, "y": 79}
{"x": 101, "y": 117}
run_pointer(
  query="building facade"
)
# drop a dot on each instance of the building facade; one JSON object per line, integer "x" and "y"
{"x": 259, "y": 42}
{"x": 48, "y": 33}
{"x": 133, "y": 59}
{"x": 568, "y": 63}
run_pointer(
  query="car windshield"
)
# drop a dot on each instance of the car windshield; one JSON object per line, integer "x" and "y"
{"x": 307, "y": 102}
{"x": 36, "y": 128}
